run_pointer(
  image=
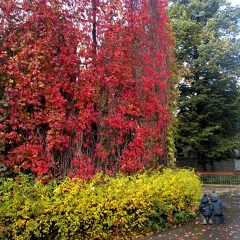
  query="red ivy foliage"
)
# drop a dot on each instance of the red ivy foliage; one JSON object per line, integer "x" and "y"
{"x": 84, "y": 85}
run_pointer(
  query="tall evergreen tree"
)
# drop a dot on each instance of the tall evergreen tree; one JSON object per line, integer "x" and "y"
{"x": 208, "y": 53}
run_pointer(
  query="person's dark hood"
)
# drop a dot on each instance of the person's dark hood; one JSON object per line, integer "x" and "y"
{"x": 214, "y": 198}
{"x": 204, "y": 199}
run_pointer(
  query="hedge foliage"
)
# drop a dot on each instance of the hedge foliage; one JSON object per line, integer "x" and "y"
{"x": 103, "y": 208}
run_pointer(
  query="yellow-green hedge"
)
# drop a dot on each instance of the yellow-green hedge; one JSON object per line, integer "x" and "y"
{"x": 102, "y": 208}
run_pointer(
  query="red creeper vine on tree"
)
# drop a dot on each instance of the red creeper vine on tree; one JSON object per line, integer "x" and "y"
{"x": 84, "y": 86}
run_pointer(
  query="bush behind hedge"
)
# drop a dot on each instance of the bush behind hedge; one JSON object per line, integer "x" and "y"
{"x": 103, "y": 208}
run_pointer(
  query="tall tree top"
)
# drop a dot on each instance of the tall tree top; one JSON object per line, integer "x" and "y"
{"x": 208, "y": 56}
{"x": 204, "y": 30}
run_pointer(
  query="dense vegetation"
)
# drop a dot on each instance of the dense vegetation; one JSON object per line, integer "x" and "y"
{"x": 85, "y": 86}
{"x": 102, "y": 208}
{"x": 208, "y": 55}
{"x": 87, "y": 90}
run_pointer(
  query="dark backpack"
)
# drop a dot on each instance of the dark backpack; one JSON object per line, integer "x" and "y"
{"x": 207, "y": 210}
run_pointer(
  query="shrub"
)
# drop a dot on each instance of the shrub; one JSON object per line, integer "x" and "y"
{"x": 103, "y": 208}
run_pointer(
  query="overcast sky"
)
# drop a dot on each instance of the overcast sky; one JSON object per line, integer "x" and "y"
{"x": 234, "y": 2}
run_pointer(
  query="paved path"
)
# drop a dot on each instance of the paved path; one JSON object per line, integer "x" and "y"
{"x": 195, "y": 230}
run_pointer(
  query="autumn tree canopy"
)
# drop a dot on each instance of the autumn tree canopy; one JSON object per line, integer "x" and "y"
{"x": 85, "y": 86}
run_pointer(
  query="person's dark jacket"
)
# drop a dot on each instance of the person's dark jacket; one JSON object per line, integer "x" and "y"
{"x": 205, "y": 207}
{"x": 217, "y": 205}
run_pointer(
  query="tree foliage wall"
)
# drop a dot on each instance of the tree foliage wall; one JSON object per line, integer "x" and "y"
{"x": 207, "y": 52}
{"x": 85, "y": 85}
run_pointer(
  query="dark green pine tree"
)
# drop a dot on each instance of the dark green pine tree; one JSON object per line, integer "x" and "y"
{"x": 208, "y": 58}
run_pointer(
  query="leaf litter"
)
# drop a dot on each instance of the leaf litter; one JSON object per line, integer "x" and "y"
{"x": 195, "y": 230}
